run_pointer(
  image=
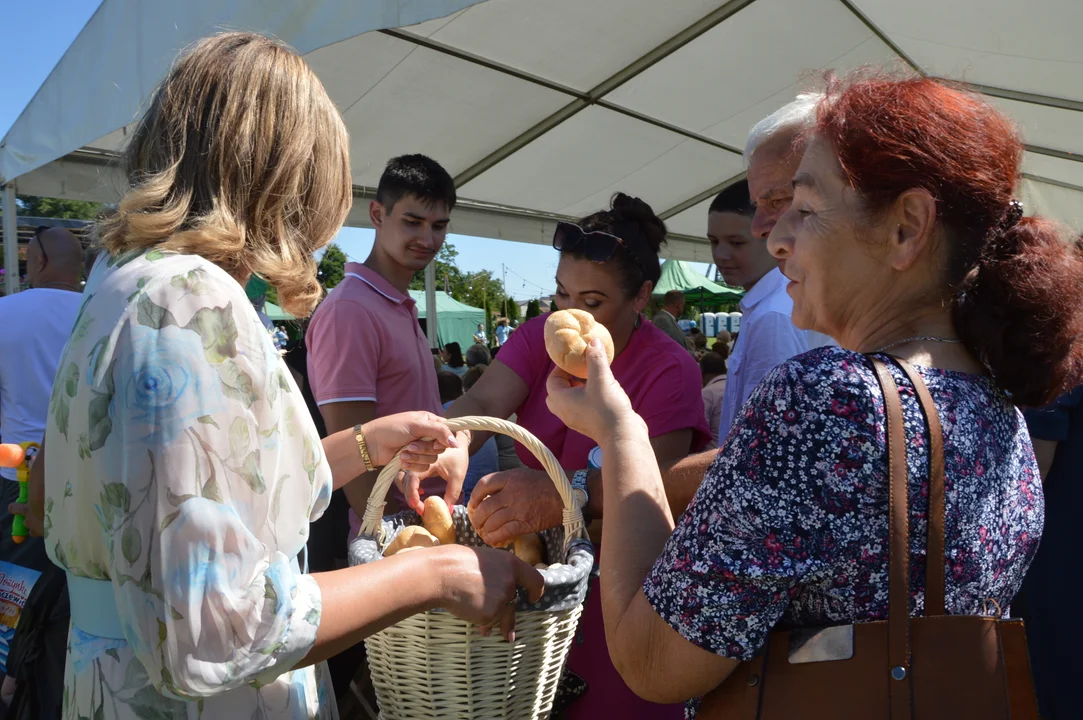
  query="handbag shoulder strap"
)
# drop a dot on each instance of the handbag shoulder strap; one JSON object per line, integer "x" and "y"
{"x": 934, "y": 554}
{"x": 898, "y": 625}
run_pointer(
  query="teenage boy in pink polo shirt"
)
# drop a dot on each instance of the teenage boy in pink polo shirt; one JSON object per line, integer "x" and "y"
{"x": 367, "y": 355}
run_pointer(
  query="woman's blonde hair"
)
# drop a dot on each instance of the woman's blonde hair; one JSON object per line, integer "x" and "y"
{"x": 242, "y": 159}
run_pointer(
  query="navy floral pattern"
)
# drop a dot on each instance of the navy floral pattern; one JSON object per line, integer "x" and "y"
{"x": 790, "y": 524}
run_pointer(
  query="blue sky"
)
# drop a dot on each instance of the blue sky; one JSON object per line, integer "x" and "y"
{"x": 35, "y": 33}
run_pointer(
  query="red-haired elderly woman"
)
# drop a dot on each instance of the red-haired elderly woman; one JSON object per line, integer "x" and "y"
{"x": 903, "y": 242}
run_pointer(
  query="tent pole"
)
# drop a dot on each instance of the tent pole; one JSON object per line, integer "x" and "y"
{"x": 11, "y": 241}
{"x": 430, "y": 304}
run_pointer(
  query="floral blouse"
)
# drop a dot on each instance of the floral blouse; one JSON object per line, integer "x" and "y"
{"x": 183, "y": 467}
{"x": 790, "y": 523}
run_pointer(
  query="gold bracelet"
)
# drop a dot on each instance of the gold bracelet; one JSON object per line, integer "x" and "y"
{"x": 363, "y": 447}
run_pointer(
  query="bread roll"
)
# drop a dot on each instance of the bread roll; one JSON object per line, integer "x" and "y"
{"x": 567, "y": 336}
{"x": 410, "y": 537}
{"x": 529, "y": 549}
{"x": 437, "y": 520}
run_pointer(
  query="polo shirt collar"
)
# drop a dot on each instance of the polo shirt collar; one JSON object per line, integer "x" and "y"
{"x": 762, "y": 290}
{"x": 377, "y": 282}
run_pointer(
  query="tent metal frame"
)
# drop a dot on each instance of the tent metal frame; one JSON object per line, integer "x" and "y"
{"x": 91, "y": 173}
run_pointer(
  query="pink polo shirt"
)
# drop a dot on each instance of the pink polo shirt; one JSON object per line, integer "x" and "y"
{"x": 662, "y": 380}
{"x": 365, "y": 345}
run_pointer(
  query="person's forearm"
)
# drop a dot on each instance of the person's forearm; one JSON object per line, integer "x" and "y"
{"x": 365, "y": 599}
{"x": 682, "y": 479}
{"x": 358, "y": 492}
{"x": 463, "y": 407}
{"x": 637, "y": 519}
{"x": 344, "y": 457}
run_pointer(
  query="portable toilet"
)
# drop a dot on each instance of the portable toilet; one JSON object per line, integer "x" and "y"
{"x": 734, "y": 322}
{"x": 707, "y": 325}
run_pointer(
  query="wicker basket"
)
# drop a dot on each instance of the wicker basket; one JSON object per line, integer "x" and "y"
{"x": 434, "y": 665}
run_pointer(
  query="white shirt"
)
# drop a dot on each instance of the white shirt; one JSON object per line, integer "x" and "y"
{"x": 767, "y": 339}
{"x": 37, "y": 325}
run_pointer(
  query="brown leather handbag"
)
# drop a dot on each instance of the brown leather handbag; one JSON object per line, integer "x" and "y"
{"x": 950, "y": 667}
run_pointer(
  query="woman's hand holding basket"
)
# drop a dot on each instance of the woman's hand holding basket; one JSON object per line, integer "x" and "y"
{"x": 421, "y": 436}
{"x": 480, "y": 585}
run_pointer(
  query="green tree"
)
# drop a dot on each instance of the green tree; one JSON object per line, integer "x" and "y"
{"x": 513, "y": 310}
{"x": 448, "y": 275}
{"x": 533, "y": 309}
{"x": 33, "y": 206}
{"x": 332, "y": 267}
{"x": 480, "y": 290}
{"x": 474, "y": 289}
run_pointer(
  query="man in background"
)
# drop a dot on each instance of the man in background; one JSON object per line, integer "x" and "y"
{"x": 503, "y": 329}
{"x": 37, "y": 324}
{"x": 666, "y": 319}
{"x": 738, "y": 223}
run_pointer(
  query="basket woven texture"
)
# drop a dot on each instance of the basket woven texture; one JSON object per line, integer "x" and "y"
{"x": 433, "y": 665}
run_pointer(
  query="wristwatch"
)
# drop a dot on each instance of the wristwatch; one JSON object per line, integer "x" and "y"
{"x": 579, "y": 491}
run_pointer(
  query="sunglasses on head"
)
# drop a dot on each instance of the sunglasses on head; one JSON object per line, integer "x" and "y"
{"x": 596, "y": 246}
{"x": 38, "y": 231}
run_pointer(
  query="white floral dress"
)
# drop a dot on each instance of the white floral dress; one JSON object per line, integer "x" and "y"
{"x": 183, "y": 466}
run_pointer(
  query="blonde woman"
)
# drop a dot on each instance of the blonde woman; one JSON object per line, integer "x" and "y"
{"x": 183, "y": 468}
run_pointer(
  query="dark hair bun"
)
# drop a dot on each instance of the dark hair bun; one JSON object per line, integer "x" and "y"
{"x": 1019, "y": 308}
{"x": 628, "y": 209}
{"x": 643, "y": 233}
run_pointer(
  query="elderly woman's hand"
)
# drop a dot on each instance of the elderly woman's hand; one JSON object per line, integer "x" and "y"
{"x": 421, "y": 436}
{"x": 511, "y": 503}
{"x": 597, "y": 408}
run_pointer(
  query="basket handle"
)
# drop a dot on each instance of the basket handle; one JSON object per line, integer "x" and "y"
{"x": 573, "y": 516}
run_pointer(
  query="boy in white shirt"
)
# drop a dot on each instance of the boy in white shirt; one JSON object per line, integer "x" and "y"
{"x": 738, "y": 223}
{"x": 37, "y": 325}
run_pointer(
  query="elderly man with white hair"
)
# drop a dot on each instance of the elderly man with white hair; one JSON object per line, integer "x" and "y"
{"x": 768, "y": 337}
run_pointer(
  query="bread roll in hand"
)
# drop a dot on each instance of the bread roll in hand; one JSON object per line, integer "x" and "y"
{"x": 437, "y": 520}
{"x": 410, "y": 537}
{"x": 567, "y": 336}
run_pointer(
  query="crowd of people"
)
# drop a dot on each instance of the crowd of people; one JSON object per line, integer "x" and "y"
{"x": 740, "y": 488}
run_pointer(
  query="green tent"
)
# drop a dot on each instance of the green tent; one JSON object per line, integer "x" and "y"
{"x": 276, "y": 314}
{"x": 697, "y": 289}
{"x": 455, "y": 322}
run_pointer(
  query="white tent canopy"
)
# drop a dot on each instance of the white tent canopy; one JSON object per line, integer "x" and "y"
{"x": 541, "y": 109}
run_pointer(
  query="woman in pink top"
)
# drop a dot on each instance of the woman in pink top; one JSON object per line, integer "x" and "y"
{"x": 608, "y": 267}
